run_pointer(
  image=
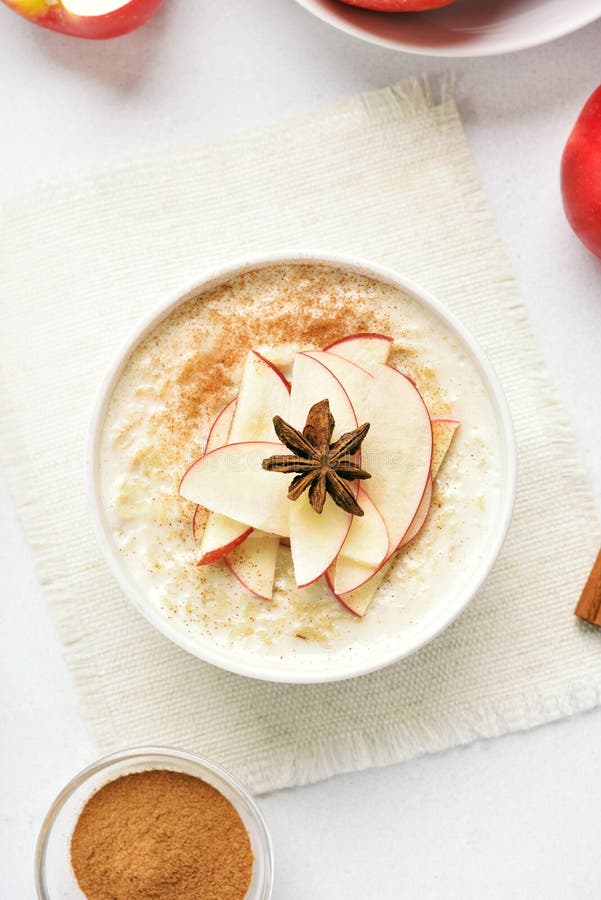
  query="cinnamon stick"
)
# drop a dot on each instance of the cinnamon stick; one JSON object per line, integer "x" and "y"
{"x": 589, "y": 605}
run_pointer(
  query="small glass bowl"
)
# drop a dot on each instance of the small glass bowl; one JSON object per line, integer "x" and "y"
{"x": 54, "y": 876}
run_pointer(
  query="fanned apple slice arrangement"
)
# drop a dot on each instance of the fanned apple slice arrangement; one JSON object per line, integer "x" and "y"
{"x": 340, "y": 461}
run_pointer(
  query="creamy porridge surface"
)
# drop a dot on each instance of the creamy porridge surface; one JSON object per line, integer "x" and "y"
{"x": 178, "y": 379}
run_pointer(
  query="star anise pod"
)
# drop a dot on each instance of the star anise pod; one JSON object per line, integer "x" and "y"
{"x": 322, "y": 467}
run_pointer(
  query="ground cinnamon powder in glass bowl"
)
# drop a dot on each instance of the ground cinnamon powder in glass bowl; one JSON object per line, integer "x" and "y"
{"x": 161, "y": 835}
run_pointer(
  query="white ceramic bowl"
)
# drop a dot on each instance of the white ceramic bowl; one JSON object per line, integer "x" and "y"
{"x": 342, "y": 666}
{"x": 466, "y": 28}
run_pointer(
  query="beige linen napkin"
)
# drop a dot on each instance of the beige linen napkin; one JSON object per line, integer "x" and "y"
{"x": 387, "y": 176}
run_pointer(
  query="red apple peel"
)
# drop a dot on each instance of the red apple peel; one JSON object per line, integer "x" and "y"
{"x": 581, "y": 175}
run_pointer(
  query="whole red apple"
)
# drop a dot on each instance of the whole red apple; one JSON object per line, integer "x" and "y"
{"x": 581, "y": 175}
{"x": 399, "y": 5}
{"x": 94, "y": 19}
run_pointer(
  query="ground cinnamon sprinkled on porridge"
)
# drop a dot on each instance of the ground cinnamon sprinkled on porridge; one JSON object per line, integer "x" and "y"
{"x": 307, "y": 312}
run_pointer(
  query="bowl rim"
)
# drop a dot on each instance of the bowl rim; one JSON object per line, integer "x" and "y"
{"x": 212, "y": 278}
{"x": 131, "y": 754}
{"x": 467, "y": 52}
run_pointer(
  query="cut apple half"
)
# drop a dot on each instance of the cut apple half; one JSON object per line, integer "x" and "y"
{"x": 366, "y": 350}
{"x": 364, "y": 550}
{"x": 89, "y": 8}
{"x": 253, "y": 563}
{"x": 231, "y": 481}
{"x": 93, "y": 19}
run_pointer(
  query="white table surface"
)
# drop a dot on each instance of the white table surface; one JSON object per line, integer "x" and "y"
{"x": 515, "y": 817}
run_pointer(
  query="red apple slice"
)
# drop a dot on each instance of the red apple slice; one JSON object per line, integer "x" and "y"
{"x": 364, "y": 550}
{"x": 367, "y": 579}
{"x": 253, "y": 563}
{"x": 355, "y": 380}
{"x": 367, "y": 540}
{"x": 419, "y": 520}
{"x": 199, "y": 520}
{"x": 312, "y": 381}
{"x": 316, "y": 539}
{"x": 280, "y": 355}
{"x": 220, "y": 429}
{"x": 95, "y": 19}
{"x": 220, "y": 536}
{"x": 443, "y": 431}
{"x": 264, "y": 392}
{"x": 365, "y": 350}
{"x": 217, "y": 437}
{"x": 231, "y": 481}
{"x": 398, "y": 453}
{"x": 397, "y": 450}
{"x": 358, "y": 601}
